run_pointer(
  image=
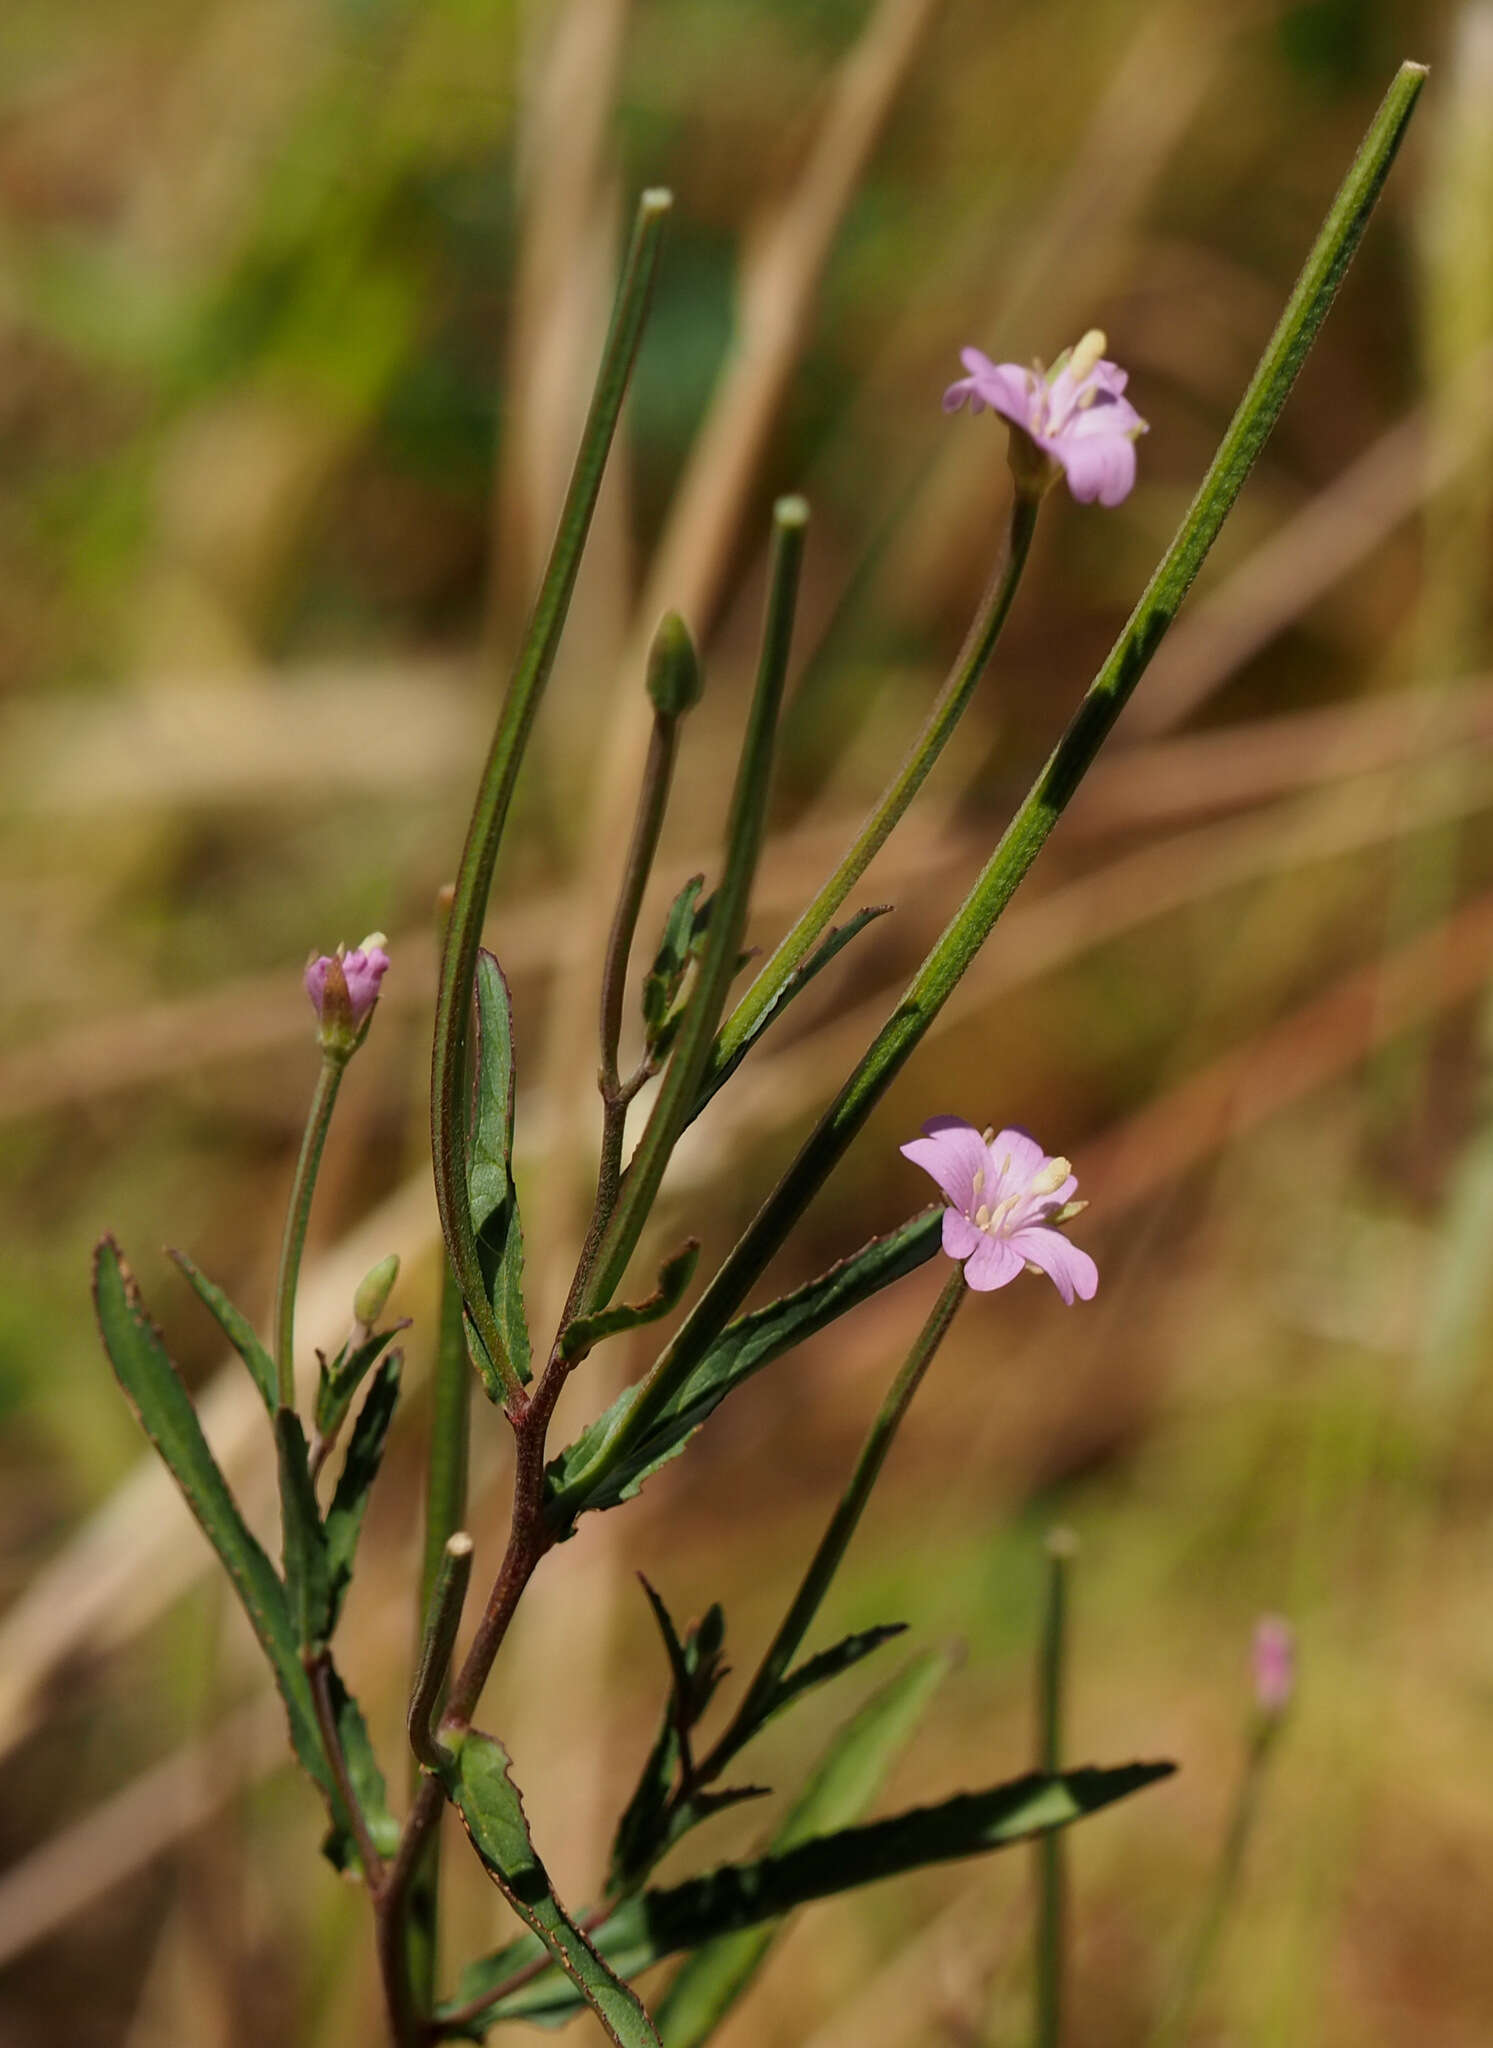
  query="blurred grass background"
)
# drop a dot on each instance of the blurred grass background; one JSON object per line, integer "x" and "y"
{"x": 298, "y": 308}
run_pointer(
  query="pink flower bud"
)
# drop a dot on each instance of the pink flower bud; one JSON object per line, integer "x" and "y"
{"x": 1274, "y": 1664}
{"x": 343, "y": 988}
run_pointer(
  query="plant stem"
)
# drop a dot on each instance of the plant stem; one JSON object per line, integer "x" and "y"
{"x": 443, "y": 1618}
{"x": 1049, "y": 1932}
{"x": 757, "y": 1702}
{"x": 942, "y": 970}
{"x": 1171, "y": 2028}
{"x": 728, "y": 915}
{"x": 949, "y": 707}
{"x": 448, "y": 1091}
{"x": 616, "y": 1095}
{"x": 297, "y": 1217}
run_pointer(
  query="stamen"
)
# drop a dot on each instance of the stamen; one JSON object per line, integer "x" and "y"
{"x": 982, "y": 1216}
{"x": 1087, "y": 354}
{"x": 978, "y": 1183}
{"x": 1052, "y": 1176}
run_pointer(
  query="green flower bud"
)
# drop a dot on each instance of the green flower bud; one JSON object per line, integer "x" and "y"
{"x": 374, "y": 1290}
{"x": 673, "y": 668}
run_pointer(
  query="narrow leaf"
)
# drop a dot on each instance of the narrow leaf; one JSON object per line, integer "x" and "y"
{"x": 674, "y": 1275}
{"x": 742, "y": 1348}
{"x": 341, "y": 1379}
{"x": 661, "y": 1923}
{"x": 827, "y": 1664}
{"x": 839, "y": 1789}
{"x": 236, "y": 1327}
{"x": 365, "y": 1777}
{"x": 723, "y": 1062}
{"x": 494, "y": 1201}
{"x": 304, "y": 1553}
{"x": 490, "y": 1807}
{"x": 153, "y": 1388}
{"x": 365, "y": 1450}
{"x": 683, "y": 927}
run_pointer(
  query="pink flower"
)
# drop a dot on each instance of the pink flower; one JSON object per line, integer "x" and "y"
{"x": 1006, "y": 1194}
{"x": 1274, "y": 1663}
{"x": 1074, "y": 417}
{"x": 343, "y": 987}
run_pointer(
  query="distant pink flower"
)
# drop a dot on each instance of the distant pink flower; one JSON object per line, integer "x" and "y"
{"x": 1274, "y": 1663}
{"x": 346, "y": 1007}
{"x": 1006, "y": 1194}
{"x": 1075, "y": 414}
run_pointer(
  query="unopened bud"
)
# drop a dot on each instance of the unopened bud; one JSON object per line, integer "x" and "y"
{"x": 374, "y": 1290}
{"x": 343, "y": 988}
{"x": 1274, "y": 1663}
{"x": 673, "y": 668}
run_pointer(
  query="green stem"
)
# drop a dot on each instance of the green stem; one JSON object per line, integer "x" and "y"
{"x": 297, "y": 1217}
{"x": 1050, "y": 1927}
{"x": 757, "y": 1701}
{"x": 940, "y": 973}
{"x": 719, "y": 956}
{"x": 445, "y": 1513}
{"x": 443, "y": 1618}
{"x": 616, "y": 1095}
{"x": 536, "y": 657}
{"x": 1171, "y": 2028}
{"x": 948, "y": 709}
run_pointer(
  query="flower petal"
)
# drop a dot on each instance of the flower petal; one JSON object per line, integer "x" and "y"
{"x": 1098, "y": 465}
{"x": 1071, "y": 1271}
{"x": 953, "y": 1152}
{"x": 960, "y": 1236}
{"x": 1025, "y": 1157}
{"x": 993, "y": 1263}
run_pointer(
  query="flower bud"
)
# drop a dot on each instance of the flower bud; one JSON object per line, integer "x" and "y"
{"x": 673, "y": 668}
{"x": 1274, "y": 1662}
{"x": 343, "y": 988}
{"x": 374, "y": 1290}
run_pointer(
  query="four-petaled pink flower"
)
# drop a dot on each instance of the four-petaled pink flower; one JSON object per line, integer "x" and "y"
{"x": 1006, "y": 1194}
{"x": 1274, "y": 1661}
{"x": 343, "y": 1006}
{"x": 1075, "y": 417}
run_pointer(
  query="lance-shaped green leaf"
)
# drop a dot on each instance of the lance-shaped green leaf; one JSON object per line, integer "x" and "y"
{"x": 839, "y": 1789}
{"x": 154, "y": 1389}
{"x": 744, "y": 1347}
{"x": 492, "y": 1812}
{"x": 365, "y": 1778}
{"x": 825, "y": 1665}
{"x": 304, "y": 1553}
{"x": 450, "y": 1075}
{"x": 725, "y": 1060}
{"x": 365, "y": 1451}
{"x": 235, "y": 1326}
{"x": 666, "y": 1804}
{"x": 341, "y": 1377}
{"x": 674, "y": 1275}
{"x": 679, "y": 942}
{"x": 662, "y": 1923}
{"x": 494, "y": 1200}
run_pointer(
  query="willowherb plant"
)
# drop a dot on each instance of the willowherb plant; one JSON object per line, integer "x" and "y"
{"x": 1006, "y": 1202}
